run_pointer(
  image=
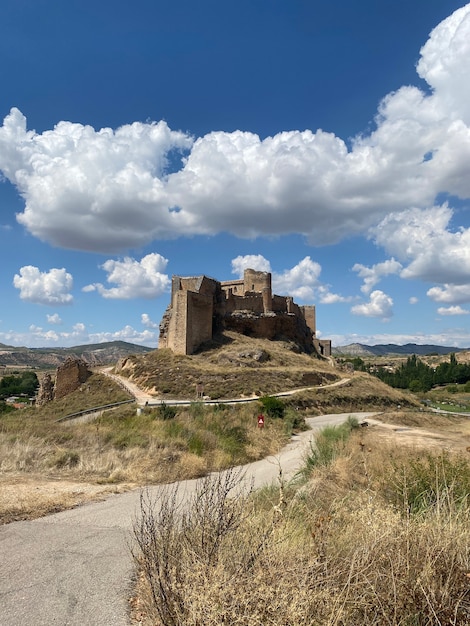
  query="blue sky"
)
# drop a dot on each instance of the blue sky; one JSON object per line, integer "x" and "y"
{"x": 328, "y": 143}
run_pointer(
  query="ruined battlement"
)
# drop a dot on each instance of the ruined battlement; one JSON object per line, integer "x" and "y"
{"x": 200, "y": 306}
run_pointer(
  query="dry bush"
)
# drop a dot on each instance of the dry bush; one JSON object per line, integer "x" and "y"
{"x": 336, "y": 551}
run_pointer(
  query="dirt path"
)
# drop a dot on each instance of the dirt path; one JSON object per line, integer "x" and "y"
{"x": 74, "y": 568}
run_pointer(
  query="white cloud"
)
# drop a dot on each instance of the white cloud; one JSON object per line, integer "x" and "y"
{"x": 326, "y": 297}
{"x": 452, "y": 310}
{"x": 450, "y": 294}
{"x": 301, "y": 281}
{"x": 424, "y": 240}
{"x": 372, "y": 275}
{"x": 250, "y": 261}
{"x": 54, "y": 319}
{"x": 50, "y": 287}
{"x": 413, "y": 300}
{"x": 146, "y": 321}
{"x": 293, "y": 182}
{"x": 379, "y": 305}
{"x": 98, "y": 191}
{"x": 440, "y": 64}
{"x": 135, "y": 279}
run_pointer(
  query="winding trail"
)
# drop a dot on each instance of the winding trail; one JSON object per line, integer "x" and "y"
{"x": 74, "y": 568}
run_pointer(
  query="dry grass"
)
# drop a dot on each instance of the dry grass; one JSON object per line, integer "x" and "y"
{"x": 345, "y": 549}
{"x": 120, "y": 449}
{"x": 361, "y": 392}
{"x": 26, "y": 496}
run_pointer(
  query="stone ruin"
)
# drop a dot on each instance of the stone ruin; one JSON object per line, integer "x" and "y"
{"x": 46, "y": 390}
{"x": 69, "y": 376}
{"x": 201, "y": 306}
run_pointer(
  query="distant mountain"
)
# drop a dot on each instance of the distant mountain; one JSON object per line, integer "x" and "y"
{"x": 361, "y": 350}
{"x": 94, "y": 354}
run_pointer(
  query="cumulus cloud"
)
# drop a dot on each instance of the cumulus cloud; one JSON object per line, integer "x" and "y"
{"x": 379, "y": 305}
{"x": 54, "y": 319}
{"x": 300, "y": 281}
{"x": 452, "y": 310}
{"x": 134, "y": 279}
{"x": 52, "y": 287}
{"x": 118, "y": 184}
{"x": 422, "y": 237}
{"x": 250, "y": 261}
{"x": 92, "y": 190}
{"x": 146, "y": 321}
{"x": 327, "y": 297}
{"x": 372, "y": 275}
{"x": 440, "y": 64}
{"x": 450, "y": 294}
{"x": 413, "y": 300}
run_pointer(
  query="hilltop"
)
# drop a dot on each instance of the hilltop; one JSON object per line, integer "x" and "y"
{"x": 236, "y": 366}
{"x": 231, "y": 365}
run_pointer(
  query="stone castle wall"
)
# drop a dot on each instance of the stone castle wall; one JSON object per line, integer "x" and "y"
{"x": 200, "y": 306}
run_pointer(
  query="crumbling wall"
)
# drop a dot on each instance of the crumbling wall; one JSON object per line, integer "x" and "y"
{"x": 45, "y": 391}
{"x": 69, "y": 376}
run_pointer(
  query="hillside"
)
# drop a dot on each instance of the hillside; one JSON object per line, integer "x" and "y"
{"x": 44, "y": 358}
{"x": 362, "y": 350}
{"x": 238, "y": 366}
{"x": 232, "y": 365}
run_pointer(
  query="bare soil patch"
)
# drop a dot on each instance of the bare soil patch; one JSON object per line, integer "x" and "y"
{"x": 424, "y": 430}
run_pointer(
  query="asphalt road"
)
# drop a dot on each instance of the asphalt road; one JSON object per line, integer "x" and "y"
{"x": 75, "y": 568}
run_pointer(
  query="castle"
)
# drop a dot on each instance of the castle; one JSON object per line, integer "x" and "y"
{"x": 200, "y": 306}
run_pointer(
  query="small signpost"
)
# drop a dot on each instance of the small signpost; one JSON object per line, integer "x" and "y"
{"x": 260, "y": 420}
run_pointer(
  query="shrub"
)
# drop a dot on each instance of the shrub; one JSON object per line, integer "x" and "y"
{"x": 273, "y": 406}
{"x": 66, "y": 458}
{"x": 166, "y": 412}
{"x": 176, "y": 542}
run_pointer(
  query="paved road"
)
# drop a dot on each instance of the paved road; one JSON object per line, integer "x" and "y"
{"x": 74, "y": 568}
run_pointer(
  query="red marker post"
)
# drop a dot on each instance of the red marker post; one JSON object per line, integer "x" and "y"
{"x": 260, "y": 421}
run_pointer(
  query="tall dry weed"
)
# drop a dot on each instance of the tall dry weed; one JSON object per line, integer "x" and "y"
{"x": 336, "y": 551}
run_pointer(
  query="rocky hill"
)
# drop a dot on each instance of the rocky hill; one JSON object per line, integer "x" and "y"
{"x": 231, "y": 365}
{"x": 46, "y": 358}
